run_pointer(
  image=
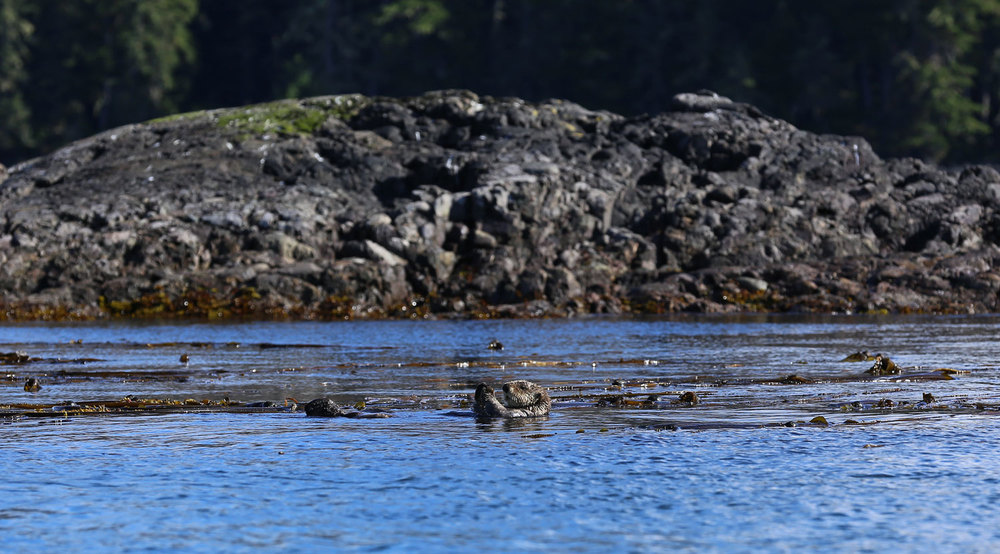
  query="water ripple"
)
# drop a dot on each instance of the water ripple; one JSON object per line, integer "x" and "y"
{"x": 726, "y": 475}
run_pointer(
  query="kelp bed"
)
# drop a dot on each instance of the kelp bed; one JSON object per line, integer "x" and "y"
{"x": 698, "y": 401}
{"x": 138, "y": 406}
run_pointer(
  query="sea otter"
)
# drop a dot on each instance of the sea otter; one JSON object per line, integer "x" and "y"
{"x": 523, "y": 399}
{"x": 32, "y": 385}
{"x": 884, "y": 366}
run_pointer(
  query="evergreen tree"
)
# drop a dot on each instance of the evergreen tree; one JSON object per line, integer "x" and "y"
{"x": 101, "y": 63}
{"x": 916, "y": 77}
{"x": 936, "y": 67}
{"x": 15, "y": 36}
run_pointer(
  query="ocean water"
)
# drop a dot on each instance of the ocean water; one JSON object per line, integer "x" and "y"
{"x": 742, "y": 471}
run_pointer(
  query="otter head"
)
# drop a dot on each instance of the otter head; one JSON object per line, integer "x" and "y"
{"x": 522, "y": 394}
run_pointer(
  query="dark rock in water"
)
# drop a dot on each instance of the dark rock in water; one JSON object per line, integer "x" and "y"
{"x": 262, "y": 404}
{"x": 451, "y": 203}
{"x": 323, "y": 407}
{"x": 612, "y": 401}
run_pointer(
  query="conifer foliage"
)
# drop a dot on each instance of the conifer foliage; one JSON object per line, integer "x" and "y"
{"x": 916, "y": 77}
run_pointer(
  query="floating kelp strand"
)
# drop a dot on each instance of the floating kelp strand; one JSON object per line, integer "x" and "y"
{"x": 272, "y": 346}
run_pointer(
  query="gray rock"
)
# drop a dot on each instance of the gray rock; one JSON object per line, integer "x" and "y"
{"x": 381, "y": 255}
{"x": 323, "y": 407}
{"x": 500, "y": 207}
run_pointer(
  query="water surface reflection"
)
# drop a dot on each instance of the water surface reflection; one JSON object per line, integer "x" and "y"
{"x": 743, "y": 470}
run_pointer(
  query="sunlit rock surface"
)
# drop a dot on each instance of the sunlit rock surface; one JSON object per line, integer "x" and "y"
{"x": 455, "y": 204}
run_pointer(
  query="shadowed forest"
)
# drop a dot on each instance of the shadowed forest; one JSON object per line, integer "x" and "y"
{"x": 916, "y": 77}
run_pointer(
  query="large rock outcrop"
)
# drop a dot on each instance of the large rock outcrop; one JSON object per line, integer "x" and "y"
{"x": 450, "y": 203}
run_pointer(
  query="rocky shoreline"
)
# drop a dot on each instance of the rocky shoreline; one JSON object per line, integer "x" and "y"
{"x": 455, "y": 205}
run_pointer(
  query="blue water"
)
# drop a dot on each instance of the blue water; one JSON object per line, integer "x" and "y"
{"x": 724, "y": 477}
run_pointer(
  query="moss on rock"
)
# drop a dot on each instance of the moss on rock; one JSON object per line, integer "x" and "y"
{"x": 290, "y": 117}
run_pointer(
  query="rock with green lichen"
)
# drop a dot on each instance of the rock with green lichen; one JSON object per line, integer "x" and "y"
{"x": 453, "y": 203}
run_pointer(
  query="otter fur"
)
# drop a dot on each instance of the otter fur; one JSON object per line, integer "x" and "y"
{"x": 523, "y": 399}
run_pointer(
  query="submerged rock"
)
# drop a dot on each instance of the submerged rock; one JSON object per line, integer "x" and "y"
{"x": 324, "y": 407}
{"x": 451, "y": 203}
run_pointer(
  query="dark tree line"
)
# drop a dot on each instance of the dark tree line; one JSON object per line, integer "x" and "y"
{"x": 917, "y": 77}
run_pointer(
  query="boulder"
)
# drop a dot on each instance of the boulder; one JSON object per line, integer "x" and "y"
{"x": 455, "y": 204}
